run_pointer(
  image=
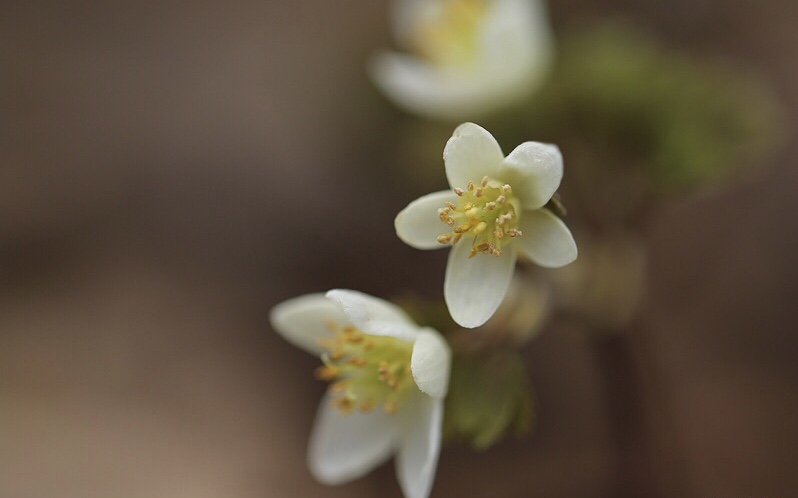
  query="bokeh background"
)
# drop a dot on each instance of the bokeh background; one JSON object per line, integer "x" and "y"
{"x": 170, "y": 170}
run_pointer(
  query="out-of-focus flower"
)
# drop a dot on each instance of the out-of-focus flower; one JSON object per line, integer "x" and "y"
{"x": 496, "y": 209}
{"x": 388, "y": 378}
{"x": 467, "y": 57}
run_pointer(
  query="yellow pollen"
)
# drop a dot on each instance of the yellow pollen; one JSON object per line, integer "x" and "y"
{"x": 449, "y": 36}
{"x": 487, "y": 214}
{"x": 365, "y": 371}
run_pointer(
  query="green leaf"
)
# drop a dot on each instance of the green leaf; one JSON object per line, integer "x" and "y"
{"x": 488, "y": 396}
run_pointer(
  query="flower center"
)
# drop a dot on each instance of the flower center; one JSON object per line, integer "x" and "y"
{"x": 449, "y": 35}
{"x": 365, "y": 371}
{"x": 487, "y": 213}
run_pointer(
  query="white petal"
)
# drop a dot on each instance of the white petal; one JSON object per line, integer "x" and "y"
{"x": 430, "y": 363}
{"x": 534, "y": 170}
{"x": 419, "y": 225}
{"x": 427, "y": 90}
{"x": 301, "y": 320}
{"x": 474, "y": 287}
{"x": 470, "y": 154}
{"x": 375, "y": 316}
{"x": 546, "y": 240}
{"x": 345, "y": 447}
{"x": 420, "y": 446}
{"x": 517, "y": 40}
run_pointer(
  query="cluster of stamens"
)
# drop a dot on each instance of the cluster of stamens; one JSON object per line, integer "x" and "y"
{"x": 450, "y": 37}
{"x": 365, "y": 371}
{"x": 487, "y": 213}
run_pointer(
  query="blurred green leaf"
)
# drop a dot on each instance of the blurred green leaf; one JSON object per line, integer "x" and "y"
{"x": 488, "y": 395}
{"x": 637, "y": 121}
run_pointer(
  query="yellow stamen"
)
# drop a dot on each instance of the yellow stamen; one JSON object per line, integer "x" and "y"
{"x": 365, "y": 371}
{"x": 487, "y": 214}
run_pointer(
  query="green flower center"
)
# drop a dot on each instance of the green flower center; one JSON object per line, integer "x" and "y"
{"x": 366, "y": 371}
{"x": 487, "y": 214}
{"x": 449, "y": 37}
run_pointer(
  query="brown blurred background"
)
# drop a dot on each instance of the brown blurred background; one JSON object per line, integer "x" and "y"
{"x": 170, "y": 170}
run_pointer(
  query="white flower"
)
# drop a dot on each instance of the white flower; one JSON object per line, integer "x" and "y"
{"x": 467, "y": 57}
{"x": 496, "y": 208}
{"x": 388, "y": 380}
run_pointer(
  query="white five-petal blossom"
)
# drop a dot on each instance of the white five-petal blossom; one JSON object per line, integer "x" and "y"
{"x": 388, "y": 381}
{"x": 465, "y": 57}
{"x": 495, "y": 210}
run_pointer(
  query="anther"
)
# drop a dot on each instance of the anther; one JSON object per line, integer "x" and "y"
{"x": 451, "y": 206}
{"x": 506, "y": 188}
{"x": 479, "y": 192}
{"x": 444, "y": 239}
{"x": 501, "y": 199}
{"x": 471, "y": 186}
{"x": 458, "y": 191}
{"x": 484, "y": 181}
{"x": 498, "y": 233}
{"x": 490, "y": 206}
{"x": 325, "y": 372}
{"x": 514, "y": 233}
{"x": 344, "y": 404}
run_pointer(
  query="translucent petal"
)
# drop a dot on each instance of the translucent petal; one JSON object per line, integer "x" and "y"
{"x": 301, "y": 320}
{"x": 419, "y": 225}
{"x": 434, "y": 92}
{"x": 420, "y": 446}
{"x": 470, "y": 154}
{"x": 345, "y": 447}
{"x": 517, "y": 40}
{"x": 546, "y": 240}
{"x": 430, "y": 363}
{"x": 474, "y": 287}
{"x": 375, "y": 316}
{"x": 534, "y": 170}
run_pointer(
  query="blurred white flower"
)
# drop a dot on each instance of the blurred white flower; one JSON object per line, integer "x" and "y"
{"x": 388, "y": 381}
{"x": 497, "y": 207}
{"x": 466, "y": 57}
